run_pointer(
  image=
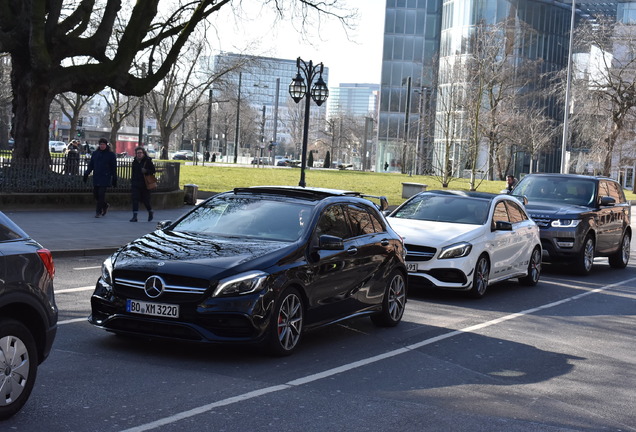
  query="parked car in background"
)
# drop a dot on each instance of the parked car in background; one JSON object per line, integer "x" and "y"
{"x": 28, "y": 314}
{"x": 57, "y": 146}
{"x": 466, "y": 241}
{"x": 256, "y": 265}
{"x": 261, "y": 161}
{"x": 187, "y": 155}
{"x": 283, "y": 162}
{"x": 580, "y": 217}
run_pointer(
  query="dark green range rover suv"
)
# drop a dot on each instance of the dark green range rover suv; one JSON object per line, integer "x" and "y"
{"x": 580, "y": 217}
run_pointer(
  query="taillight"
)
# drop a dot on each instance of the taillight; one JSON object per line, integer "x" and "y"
{"x": 47, "y": 260}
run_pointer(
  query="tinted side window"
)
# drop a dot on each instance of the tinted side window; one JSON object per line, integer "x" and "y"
{"x": 7, "y": 234}
{"x": 515, "y": 212}
{"x": 500, "y": 213}
{"x": 361, "y": 222}
{"x": 378, "y": 225}
{"x": 333, "y": 222}
{"x": 615, "y": 191}
{"x": 603, "y": 189}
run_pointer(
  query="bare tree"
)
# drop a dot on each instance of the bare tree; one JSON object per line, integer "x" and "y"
{"x": 120, "y": 107}
{"x": 531, "y": 130}
{"x": 448, "y": 119}
{"x": 44, "y": 38}
{"x": 5, "y": 99}
{"x": 494, "y": 76}
{"x": 72, "y": 104}
{"x": 185, "y": 89}
{"x": 607, "y": 86}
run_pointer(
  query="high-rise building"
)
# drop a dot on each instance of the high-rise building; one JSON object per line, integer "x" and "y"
{"x": 423, "y": 37}
{"x": 412, "y": 32}
{"x": 352, "y": 99}
{"x": 264, "y": 85}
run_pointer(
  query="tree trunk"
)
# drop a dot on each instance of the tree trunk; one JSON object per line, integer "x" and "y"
{"x": 32, "y": 99}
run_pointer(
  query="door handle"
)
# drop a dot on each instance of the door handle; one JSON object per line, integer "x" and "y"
{"x": 352, "y": 250}
{"x": 384, "y": 242}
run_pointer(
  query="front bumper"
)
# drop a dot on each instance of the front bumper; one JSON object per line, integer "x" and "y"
{"x": 561, "y": 244}
{"x": 241, "y": 319}
{"x": 452, "y": 274}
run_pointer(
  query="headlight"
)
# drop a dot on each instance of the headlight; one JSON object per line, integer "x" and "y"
{"x": 455, "y": 251}
{"x": 107, "y": 271}
{"x": 244, "y": 283}
{"x": 565, "y": 223}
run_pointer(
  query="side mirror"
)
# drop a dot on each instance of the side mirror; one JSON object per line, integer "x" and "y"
{"x": 607, "y": 201}
{"x": 522, "y": 198}
{"x": 503, "y": 226}
{"x": 163, "y": 224}
{"x": 384, "y": 203}
{"x": 328, "y": 242}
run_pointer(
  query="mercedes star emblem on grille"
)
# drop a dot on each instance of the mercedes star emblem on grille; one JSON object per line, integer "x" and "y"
{"x": 154, "y": 286}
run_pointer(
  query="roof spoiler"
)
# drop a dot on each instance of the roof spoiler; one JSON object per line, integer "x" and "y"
{"x": 384, "y": 202}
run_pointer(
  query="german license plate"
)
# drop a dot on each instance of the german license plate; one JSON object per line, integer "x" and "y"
{"x": 154, "y": 309}
{"x": 412, "y": 267}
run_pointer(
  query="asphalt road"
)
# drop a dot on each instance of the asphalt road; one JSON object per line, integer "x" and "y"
{"x": 555, "y": 357}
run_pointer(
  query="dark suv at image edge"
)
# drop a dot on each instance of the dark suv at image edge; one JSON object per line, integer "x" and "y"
{"x": 28, "y": 314}
{"x": 580, "y": 217}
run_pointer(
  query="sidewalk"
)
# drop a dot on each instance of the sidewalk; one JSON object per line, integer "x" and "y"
{"x": 79, "y": 232}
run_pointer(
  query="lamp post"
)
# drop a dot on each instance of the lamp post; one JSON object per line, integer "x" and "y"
{"x": 301, "y": 87}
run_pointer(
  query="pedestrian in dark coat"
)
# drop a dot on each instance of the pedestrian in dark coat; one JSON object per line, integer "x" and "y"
{"x": 142, "y": 165}
{"x": 103, "y": 165}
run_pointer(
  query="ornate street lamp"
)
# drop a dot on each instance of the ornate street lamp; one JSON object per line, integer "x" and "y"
{"x": 301, "y": 87}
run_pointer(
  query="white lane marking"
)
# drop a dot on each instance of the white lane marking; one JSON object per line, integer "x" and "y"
{"x": 88, "y": 268}
{"x": 69, "y": 290}
{"x": 72, "y": 321}
{"x": 330, "y": 372}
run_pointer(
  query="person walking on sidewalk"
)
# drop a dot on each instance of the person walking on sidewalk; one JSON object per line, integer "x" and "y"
{"x": 103, "y": 165}
{"x": 142, "y": 165}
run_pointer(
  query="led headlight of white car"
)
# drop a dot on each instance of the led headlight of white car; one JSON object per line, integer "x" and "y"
{"x": 456, "y": 250}
{"x": 565, "y": 223}
{"x": 243, "y": 283}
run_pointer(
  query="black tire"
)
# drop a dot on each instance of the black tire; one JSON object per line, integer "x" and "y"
{"x": 620, "y": 259}
{"x": 393, "y": 303}
{"x": 18, "y": 363}
{"x": 534, "y": 269}
{"x": 285, "y": 329}
{"x": 481, "y": 276}
{"x": 585, "y": 260}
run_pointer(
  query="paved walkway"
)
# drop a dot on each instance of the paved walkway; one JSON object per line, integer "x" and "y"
{"x": 78, "y": 232}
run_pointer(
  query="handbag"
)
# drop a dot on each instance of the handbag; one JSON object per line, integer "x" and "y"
{"x": 151, "y": 181}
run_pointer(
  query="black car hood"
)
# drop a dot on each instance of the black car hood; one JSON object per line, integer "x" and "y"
{"x": 555, "y": 210}
{"x": 196, "y": 255}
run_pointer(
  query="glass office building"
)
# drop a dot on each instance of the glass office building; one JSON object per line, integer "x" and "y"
{"x": 417, "y": 31}
{"x": 353, "y": 99}
{"x": 411, "y": 43}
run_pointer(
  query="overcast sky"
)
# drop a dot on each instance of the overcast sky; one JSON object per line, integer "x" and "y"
{"x": 353, "y": 60}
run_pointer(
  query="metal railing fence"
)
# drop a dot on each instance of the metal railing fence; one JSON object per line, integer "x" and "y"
{"x": 66, "y": 176}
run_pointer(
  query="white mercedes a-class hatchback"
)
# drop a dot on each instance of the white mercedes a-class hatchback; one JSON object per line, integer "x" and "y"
{"x": 466, "y": 241}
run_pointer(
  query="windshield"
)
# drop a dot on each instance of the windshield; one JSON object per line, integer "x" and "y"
{"x": 248, "y": 217}
{"x": 453, "y": 209}
{"x": 554, "y": 189}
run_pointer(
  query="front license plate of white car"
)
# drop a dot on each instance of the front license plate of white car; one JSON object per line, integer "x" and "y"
{"x": 411, "y": 267}
{"x": 155, "y": 309}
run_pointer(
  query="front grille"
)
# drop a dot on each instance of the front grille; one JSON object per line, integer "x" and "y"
{"x": 419, "y": 253}
{"x": 176, "y": 289}
{"x": 542, "y": 222}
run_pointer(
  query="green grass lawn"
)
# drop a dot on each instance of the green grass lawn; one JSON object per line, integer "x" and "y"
{"x": 221, "y": 178}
